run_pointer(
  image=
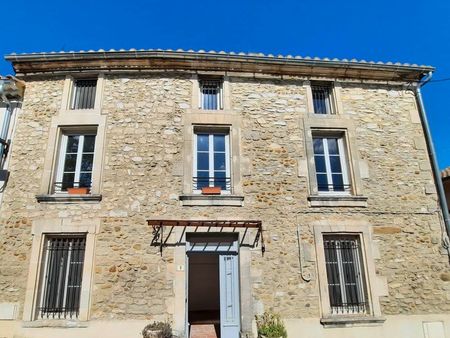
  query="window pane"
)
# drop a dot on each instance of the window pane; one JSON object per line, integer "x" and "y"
{"x": 68, "y": 179}
{"x": 333, "y": 146}
{"x": 220, "y": 179}
{"x": 320, "y": 164}
{"x": 322, "y": 182}
{"x": 86, "y": 162}
{"x": 219, "y": 161}
{"x": 318, "y": 145}
{"x": 335, "y": 162}
{"x": 85, "y": 180}
{"x": 89, "y": 144}
{"x": 72, "y": 143}
{"x": 202, "y": 142}
{"x": 202, "y": 161}
{"x": 202, "y": 179}
{"x": 219, "y": 142}
{"x": 338, "y": 182}
{"x": 70, "y": 162}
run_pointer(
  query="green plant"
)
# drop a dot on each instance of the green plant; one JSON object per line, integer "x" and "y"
{"x": 270, "y": 325}
{"x": 157, "y": 330}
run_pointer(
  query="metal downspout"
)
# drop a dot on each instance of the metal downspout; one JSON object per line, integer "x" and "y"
{"x": 434, "y": 163}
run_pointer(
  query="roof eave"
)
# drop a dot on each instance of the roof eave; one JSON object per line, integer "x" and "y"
{"x": 40, "y": 62}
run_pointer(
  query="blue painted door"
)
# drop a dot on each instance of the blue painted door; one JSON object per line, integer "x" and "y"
{"x": 229, "y": 296}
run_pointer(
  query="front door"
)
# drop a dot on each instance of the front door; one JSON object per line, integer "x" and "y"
{"x": 202, "y": 253}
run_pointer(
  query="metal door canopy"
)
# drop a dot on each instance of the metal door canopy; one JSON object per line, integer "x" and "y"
{"x": 164, "y": 233}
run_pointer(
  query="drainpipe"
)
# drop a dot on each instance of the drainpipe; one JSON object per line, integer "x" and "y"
{"x": 433, "y": 160}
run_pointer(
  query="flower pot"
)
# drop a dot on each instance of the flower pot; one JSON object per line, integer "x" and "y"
{"x": 78, "y": 191}
{"x": 211, "y": 190}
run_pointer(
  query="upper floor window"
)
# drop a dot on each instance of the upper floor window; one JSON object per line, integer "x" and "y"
{"x": 345, "y": 277}
{"x": 212, "y": 161}
{"x": 60, "y": 289}
{"x": 322, "y": 98}
{"x": 331, "y": 165}
{"x": 83, "y": 94}
{"x": 211, "y": 94}
{"x": 76, "y": 159}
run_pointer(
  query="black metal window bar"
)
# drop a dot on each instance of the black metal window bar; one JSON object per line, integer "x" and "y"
{"x": 344, "y": 273}
{"x": 347, "y": 188}
{"x": 63, "y": 186}
{"x": 201, "y": 182}
{"x": 61, "y": 284}
{"x": 84, "y": 94}
{"x": 211, "y": 94}
{"x": 321, "y": 99}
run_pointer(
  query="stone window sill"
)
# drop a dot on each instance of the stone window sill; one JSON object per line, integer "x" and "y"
{"x": 349, "y": 321}
{"x": 212, "y": 200}
{"x": 64, "y": 323}
{"x": 337, "y": 201}
{"x": 60, "y": 198}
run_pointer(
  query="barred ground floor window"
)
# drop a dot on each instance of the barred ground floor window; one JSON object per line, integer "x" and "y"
{"x": 62, "y": 273}
{"x": 345, "y": 277}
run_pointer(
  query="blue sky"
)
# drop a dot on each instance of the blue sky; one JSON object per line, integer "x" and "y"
{"x": 413, "y": 31}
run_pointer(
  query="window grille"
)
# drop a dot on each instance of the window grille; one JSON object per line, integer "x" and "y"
{"x": 211, "y": 94}
{"x": 321, "y": 99}
{"x": 344, "y": 273}
{"x": 83, "y": 96}
{"x": 61, "y": 283}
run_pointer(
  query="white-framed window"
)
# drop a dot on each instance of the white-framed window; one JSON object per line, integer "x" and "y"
{"x": 211, "y": 159}
{"x": 211, "y": 93}
{"x": 331, "y": 165}
{"x": 345, "y": 274}
{"x": 322, "y": 95}
{"x": 61, "y": 277}
{"x": 76, "y": 160}
{"x": 83, "y": 94}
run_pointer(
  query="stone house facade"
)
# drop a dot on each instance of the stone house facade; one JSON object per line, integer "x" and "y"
{"x": 213, "y": 187}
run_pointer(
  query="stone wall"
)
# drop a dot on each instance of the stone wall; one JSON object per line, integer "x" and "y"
{"x": 142, "y": 179}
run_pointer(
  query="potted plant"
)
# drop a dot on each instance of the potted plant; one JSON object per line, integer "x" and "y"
{"x": 78, "y": 191}
{"x": 211, "y": 190}
{"x": 157, "y": 330}
{"x": 270, "y": 325}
